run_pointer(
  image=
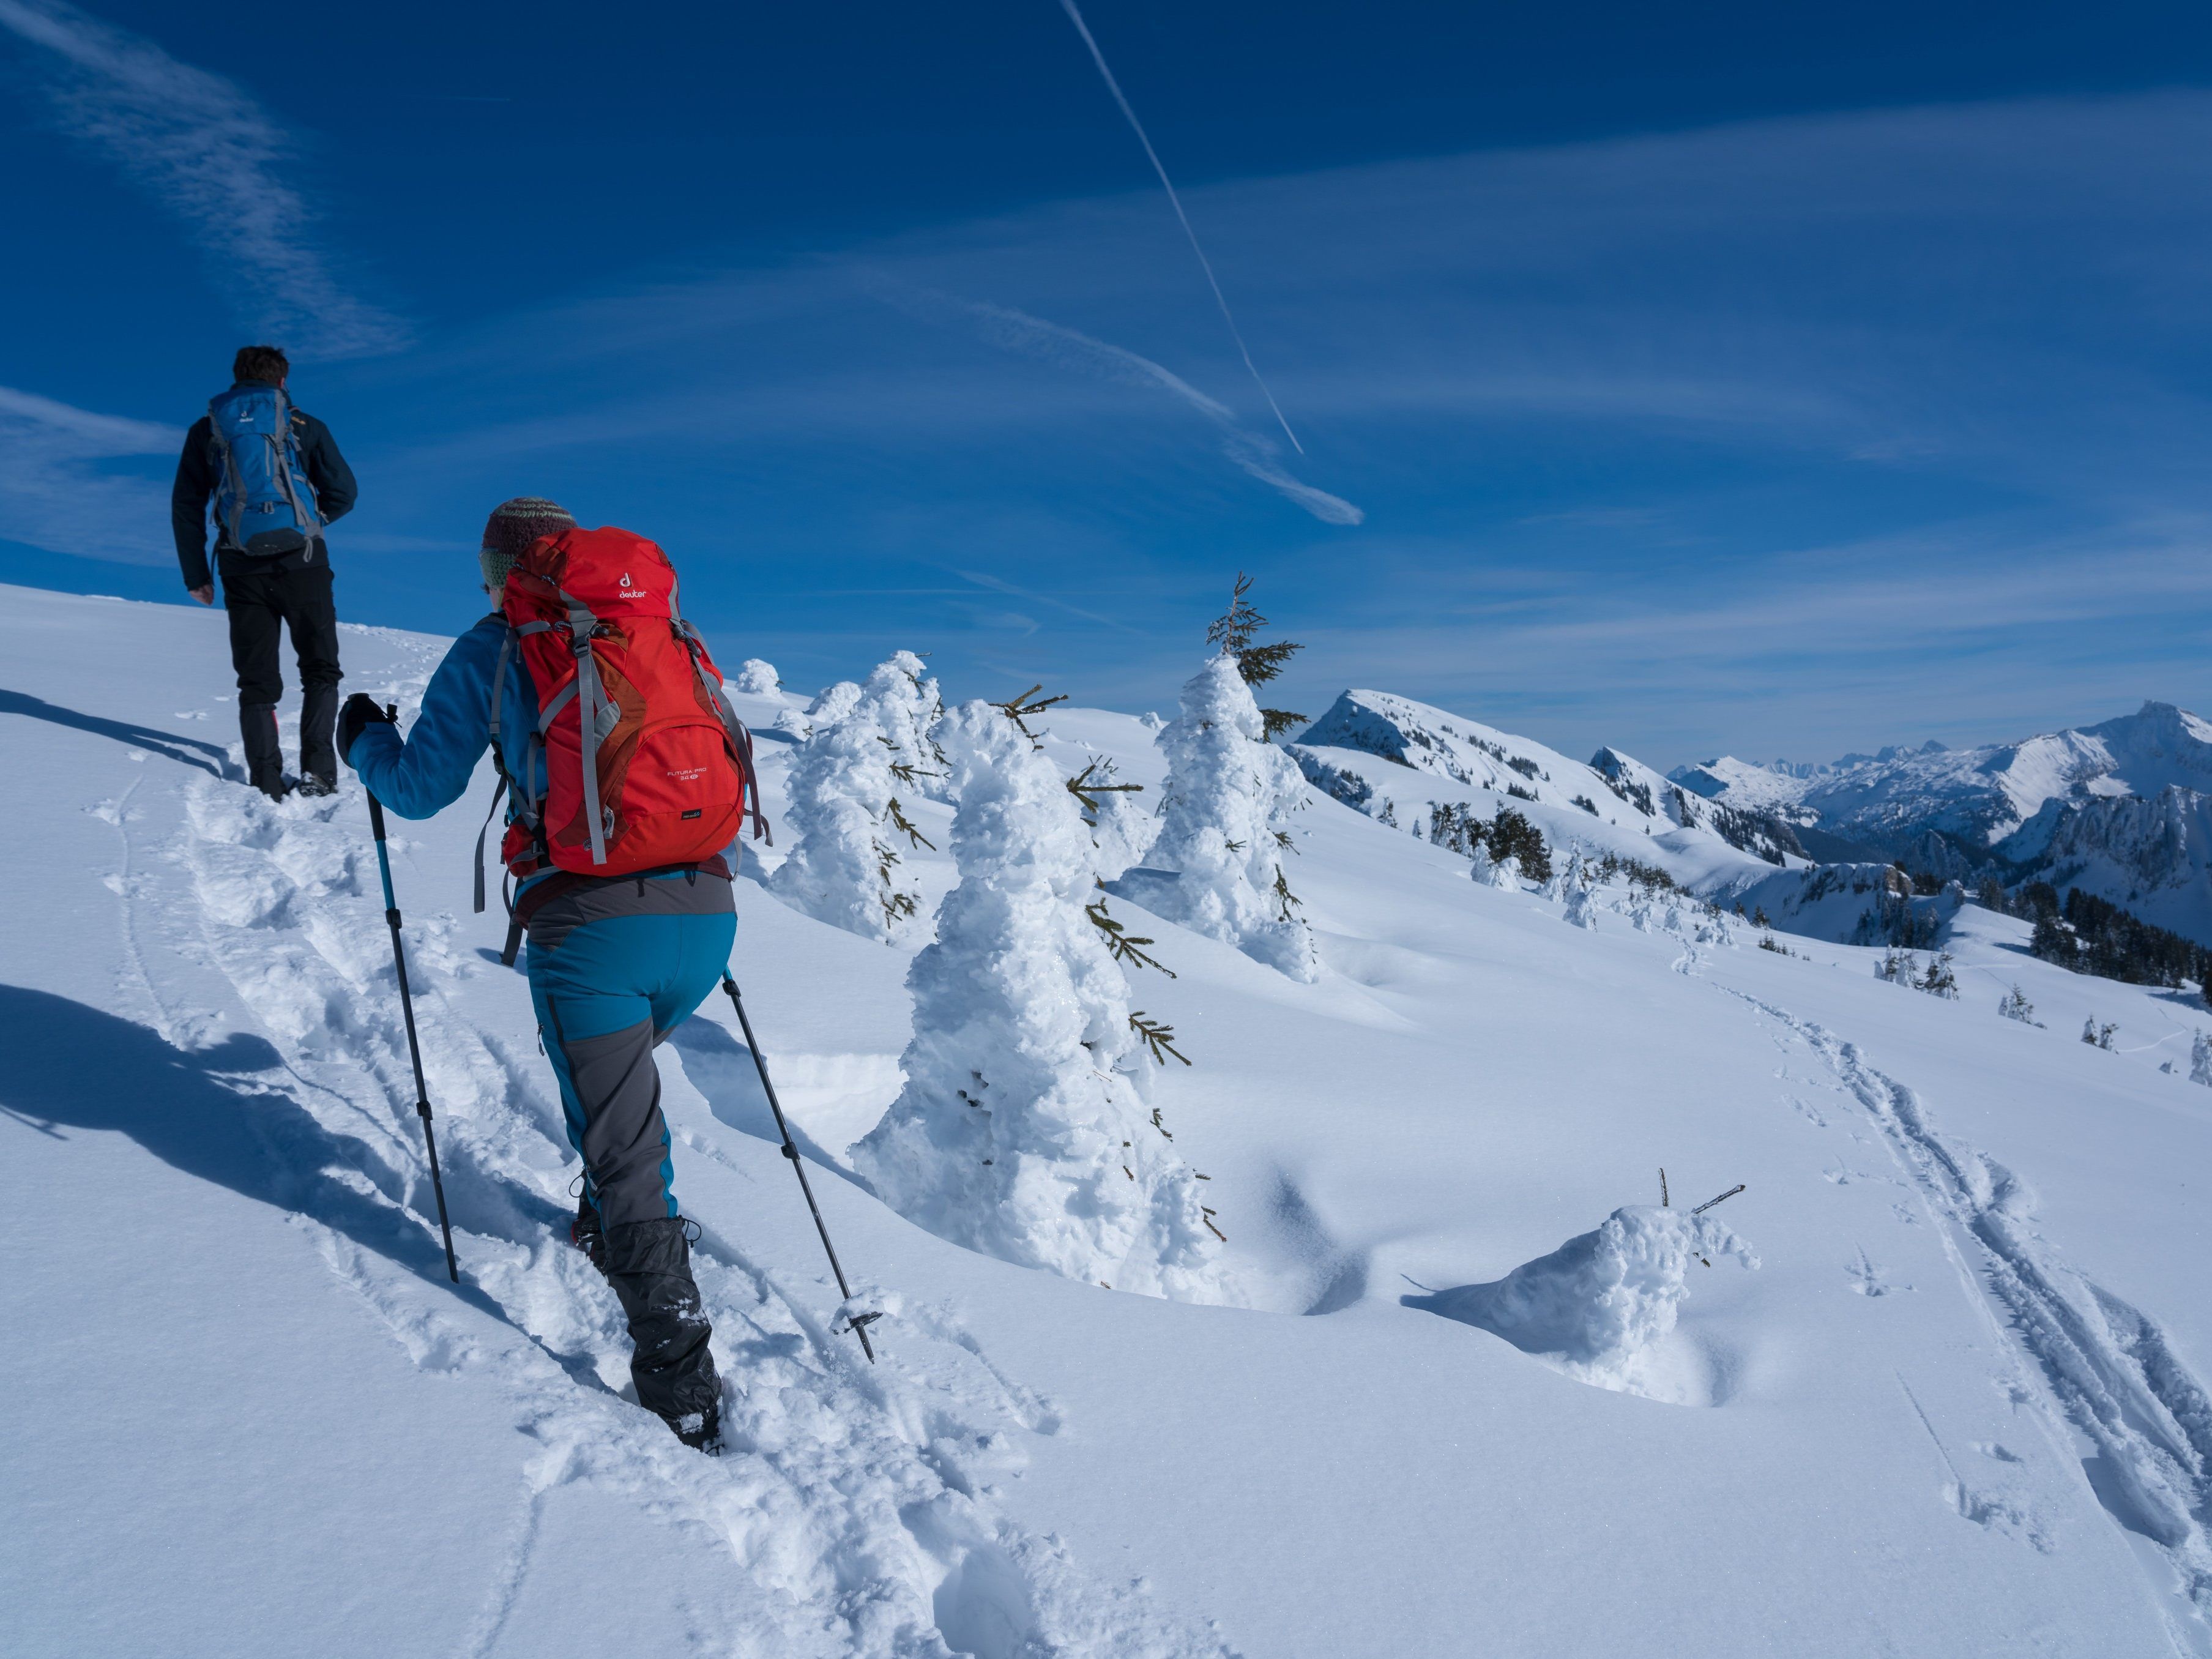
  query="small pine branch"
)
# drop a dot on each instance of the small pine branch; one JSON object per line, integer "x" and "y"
{"x": 1159, "y": 1038}
{"x": 1277, "y": 722}
{"x": 1233, "y": 629}
{"x": 1019, "y": 709}
{"x": 1086, "y": 788}
{"x": 906, "y": 771}
{"x": 1287, "y": 903}
{"x": 1259, "y": 664}
{"x": 899, "y": 822}
{"x": 1124, "y": 944}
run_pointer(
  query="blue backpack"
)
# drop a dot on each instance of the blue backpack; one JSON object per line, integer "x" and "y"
{"x": 264, "y": 502}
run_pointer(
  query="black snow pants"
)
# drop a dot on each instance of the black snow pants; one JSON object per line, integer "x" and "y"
{"x": 263, "y": 597}
{"x": 615, "y": 965}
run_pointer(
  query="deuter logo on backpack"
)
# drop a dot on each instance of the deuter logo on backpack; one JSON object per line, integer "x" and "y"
{"x": 643, "y": 763}
{"x": 263, "y": 500}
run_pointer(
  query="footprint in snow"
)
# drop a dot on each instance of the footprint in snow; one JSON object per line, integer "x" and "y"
{"x": 1868, "y": 1281}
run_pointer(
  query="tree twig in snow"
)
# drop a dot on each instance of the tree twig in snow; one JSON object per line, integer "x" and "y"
{"x": 1160, "y": 1037}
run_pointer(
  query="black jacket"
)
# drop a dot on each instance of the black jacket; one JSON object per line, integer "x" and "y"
{"x": 199, "y": 474}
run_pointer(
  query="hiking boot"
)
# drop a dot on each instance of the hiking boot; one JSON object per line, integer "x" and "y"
{"x": 702, "y": 1431}
{"x": 319, "y": 713}
{"x": 264, "y": 760}
{"x": 648, "y": 1263}
{"x": 315, "y": 787}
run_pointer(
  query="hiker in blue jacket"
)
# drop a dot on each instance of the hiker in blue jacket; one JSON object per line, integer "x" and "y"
{"x": 276, "y": 480}
{"x": 616, "y": 963}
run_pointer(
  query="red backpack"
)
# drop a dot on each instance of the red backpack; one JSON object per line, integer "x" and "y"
{"x": 638, "y": 762}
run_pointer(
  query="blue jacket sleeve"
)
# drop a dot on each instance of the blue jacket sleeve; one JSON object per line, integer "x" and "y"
{"x": 429, "y": 769}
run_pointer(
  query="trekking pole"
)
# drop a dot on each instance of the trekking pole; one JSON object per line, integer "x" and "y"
{"x": 414, "y": 1047}
{"x": 857, "y": 1323}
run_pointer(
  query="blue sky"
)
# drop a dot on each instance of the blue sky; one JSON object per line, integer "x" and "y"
{"x": 1772, "y": 380}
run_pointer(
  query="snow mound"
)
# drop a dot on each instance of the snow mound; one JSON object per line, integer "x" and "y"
{"x": 1601, "y": 1306}
{"x": 1022, "y": 1130}
{"x": 757, "y": 678}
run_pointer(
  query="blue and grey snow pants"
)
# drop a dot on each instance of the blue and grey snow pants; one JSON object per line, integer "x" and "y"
{"x": 615, "y": 965}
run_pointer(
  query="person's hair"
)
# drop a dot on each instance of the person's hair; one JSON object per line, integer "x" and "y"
{"x": 259, "y": 363}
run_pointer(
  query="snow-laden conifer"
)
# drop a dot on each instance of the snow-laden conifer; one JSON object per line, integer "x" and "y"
{"x": 1022, "y": 1130}
{"x": 1218, "y": 866}
{"x": 843, "y": 799}
{"x": 831, "y": 704}
{"x": 756, "y": 677}
{"x": 2200, "y": 1059}
{"x": 1496, "y": 872}
{"x": 1582, "y": 907}
{"x": 905, "y": 703}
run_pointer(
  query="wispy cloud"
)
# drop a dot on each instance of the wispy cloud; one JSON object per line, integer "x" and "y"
{"x": 61, "y": 491}
{"x": 1064, "y": 347}
{"x": 211, "y": 156}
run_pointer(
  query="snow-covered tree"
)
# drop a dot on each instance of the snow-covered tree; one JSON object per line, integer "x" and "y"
{"x": 831, "y": 704}
{"x": 1940, "y": 980}
{"x": 904, "y": 701}
{"x": 2200, "y": 1059}
{"x": 1233, "y": 632}
{"x": 846, "y": 867}
{"x": 2014, "y": 1004}
{"x": 756, "y": 677}
{"x": 1496, "y": 872}
{"x": 1218, "y": 866}
{"x": 1022, "y": 1130}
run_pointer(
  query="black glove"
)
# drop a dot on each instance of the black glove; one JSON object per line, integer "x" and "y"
{"x": 360, "y": 712}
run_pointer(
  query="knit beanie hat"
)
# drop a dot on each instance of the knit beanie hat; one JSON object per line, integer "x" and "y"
{"x": 511, "y": 529}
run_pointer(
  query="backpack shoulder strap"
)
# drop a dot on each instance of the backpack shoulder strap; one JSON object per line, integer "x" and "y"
{"x": 229, "y": 500}
{"x": 498, "y": 760}
{"x": 291, "y": 472}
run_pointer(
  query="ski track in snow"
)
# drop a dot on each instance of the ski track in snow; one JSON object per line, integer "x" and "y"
{"x": 852, "y": 1504}
{"x": 2107, "y": 1368}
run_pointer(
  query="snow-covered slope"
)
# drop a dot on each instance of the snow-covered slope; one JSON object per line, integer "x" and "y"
{"x": 1487, "y": 1401}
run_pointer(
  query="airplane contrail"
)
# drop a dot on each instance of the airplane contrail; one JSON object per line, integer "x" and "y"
{"x": 1168, "y": 185}
{"x": 1010, "y": 330}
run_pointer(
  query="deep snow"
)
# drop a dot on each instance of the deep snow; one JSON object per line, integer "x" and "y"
{"x": 1958, "y": 1410}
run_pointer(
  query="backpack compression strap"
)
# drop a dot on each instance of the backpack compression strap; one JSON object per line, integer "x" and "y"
{"x": 741, "y": 739}
{"x": 286, "y": 448}
{"x": 596, "y": 718}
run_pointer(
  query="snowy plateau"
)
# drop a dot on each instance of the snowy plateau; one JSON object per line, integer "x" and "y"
{"x": 1456, "y": 1382}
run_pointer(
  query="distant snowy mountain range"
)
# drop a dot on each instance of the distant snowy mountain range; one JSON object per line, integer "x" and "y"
{"x": 2123, "y": 810}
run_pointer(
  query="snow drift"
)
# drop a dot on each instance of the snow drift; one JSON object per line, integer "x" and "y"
{"x": 1600, "y": 1306}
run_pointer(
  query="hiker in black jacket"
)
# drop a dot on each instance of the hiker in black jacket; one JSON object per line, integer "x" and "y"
{"x": 268, "y": 547}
